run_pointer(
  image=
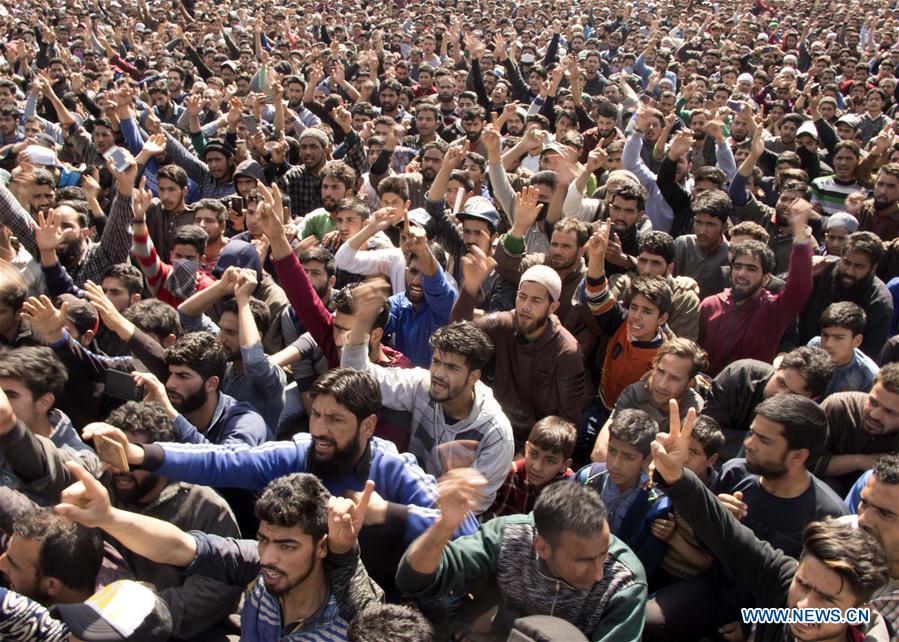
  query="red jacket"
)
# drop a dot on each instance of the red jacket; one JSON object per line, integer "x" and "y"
{"x": 753, "y": 330}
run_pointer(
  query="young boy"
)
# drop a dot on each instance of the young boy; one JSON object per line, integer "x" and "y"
{"x": 621, "y": 481}
{"x": 685, "y": 557}
{"x": 634, "y": 331}
{"x": 842, "y": 325}
{"x": 547, "y": 457}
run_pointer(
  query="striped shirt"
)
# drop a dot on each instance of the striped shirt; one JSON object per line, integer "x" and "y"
{"x": 829, "y": 193}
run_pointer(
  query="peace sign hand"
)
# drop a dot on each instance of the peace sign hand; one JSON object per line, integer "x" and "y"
{"x": 670, "y": 450}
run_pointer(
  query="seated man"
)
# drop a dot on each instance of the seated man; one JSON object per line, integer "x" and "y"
{"x": 32, "y": 378}
{"x": 547, "y": 457}
{"x": 455, "y": 420}
{"x": 250, "y": 376}
{"x": 746, "y": 321}
{"x": 842, "y": 332}
{"x": 538, "y": 367}
{"x": 744, "y": 384}
{"x": 560, "y": 560}
{"x": 778, "y": 496}
{"x": 197, "y": 603}
{"x": 839, "y": 560}
{"x": 673, "y": 375}
{"x": 621, "y": 482}
{"x": 50, "y": 560}
{"x": 301, "y": 574}
{"x": 338, "y": 448}
{"x": 656, "y": 258}
{"x": 863, "y": 428}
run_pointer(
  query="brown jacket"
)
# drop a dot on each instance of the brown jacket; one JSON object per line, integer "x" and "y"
{"x": 530, "y": 380}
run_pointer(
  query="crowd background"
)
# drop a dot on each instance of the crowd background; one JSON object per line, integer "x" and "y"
{"x": 448, "y": 320}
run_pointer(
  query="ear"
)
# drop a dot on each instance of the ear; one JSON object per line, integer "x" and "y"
{"x": 321, "y": 547}
{"x": 554, "y": 306}
{"x": 857, "y": 340}
{"x": 367, "y": 427}
{"x": 542, "y": 548}
{"x": 332, "y": 280}
{"x": 663, "y": 319}
{"x": 713, "y": 459}
{"x": 51, "y": 586}
{"x": 86, "y": 337}
{"x": 799, "y": 456}
{"x": 45, "y": 402}
{"x": 473, "y": 377}
{"x": 669, "y": 270}
{"x": 212, "y": 384}
{"x": 376, "y": 335}
{"x": 169, "y": 340}
{"x": 134, "y": 298}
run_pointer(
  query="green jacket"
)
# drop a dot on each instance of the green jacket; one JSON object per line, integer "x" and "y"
{"x": 503, "y": 548}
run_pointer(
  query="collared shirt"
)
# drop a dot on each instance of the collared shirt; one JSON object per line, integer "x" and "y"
{"x": 618, "y": 501}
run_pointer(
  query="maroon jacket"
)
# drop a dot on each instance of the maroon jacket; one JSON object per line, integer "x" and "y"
{"x": 753, "y": 329}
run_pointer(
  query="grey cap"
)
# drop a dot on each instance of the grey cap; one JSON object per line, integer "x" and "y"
{"x": 849, "y": 119}
{"x": 480, "y": 208}
{"x": 842, "y": 219}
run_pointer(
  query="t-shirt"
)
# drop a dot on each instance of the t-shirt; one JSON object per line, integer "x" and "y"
{"x": 778, "y": 520}
{"x": 637, "y": 396}
{"x": 690, "y": 260}
{"x": 318, "y": 224}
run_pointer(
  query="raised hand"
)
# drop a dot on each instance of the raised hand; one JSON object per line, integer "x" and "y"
{"x": 133, "y": 454}
{"x": 343, "y": 117}
{"x": 527, "y": 207}
{"x": 194, "y": 105}
{"x": 734, "y": 504}
{"x": 44, "y": 318}
{"x": 141, "y": 199}
{"x": 671, "y": 450}
{"x": 476, "y": 266}
{"x": 454, "y": 156}
{"x": 245, "y": 285}
{"x": 368, "y": 301}
{"x": 154, "y": 145}
{"x": 597, "y": 159}
{"x": 384, "y": 218}
{"x": 86, "y": 501}
{"x": 235, "y": 112}
{"x": 855, "y": 202}
{"x": 681, "y": 144}
{"x": 598, "y": 244}
{"x": 458, "y": 491}
{"x": 48, "y": 234}
{"x": 109, "y": 314}
{"x": 346, "y": 516}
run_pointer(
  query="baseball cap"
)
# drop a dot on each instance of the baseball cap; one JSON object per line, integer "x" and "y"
{"x": 123, "y": 610}
{"x": 557, "y": 148}
{"x": 849, "y": 119}
{"x": 807, "y": 129}
{"x": 480, "y": 208}
{"x": 419, "y": 216}
{"x": 545, "y": 276}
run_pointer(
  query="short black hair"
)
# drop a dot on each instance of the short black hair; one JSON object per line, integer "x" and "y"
{"x": 320, "y": 255}
{"x": 192, "y": 235}
{"x": 804, "y": 422}
{"x": 657, "y": 243}
{"x": 813, "y": 365}
{"x": 654, "y": 288}
{"x": 568, "y": 507}
{"x": 708, "y": 433}
{"x": 201, "y": 352}
{"x": 394, "y": 622}
{"x": 261, "y": 314}
{"x": 714, "y": 202}
{"x": 299, "y": 499}
{"x": 866, "y": 243}
{"x": 146, "y": 418}
{"x": 845, "y": 315}
{"x": 154, "y": 317}
{"x": 37, "y": 368}
{"x": 634, "y": 427}
{"x": 130, "y": 276}
{"x": 357, "y": 390}
{"x": 466, "y": 339}
{"x": 756, "y": 249}
{"x": 886, "y": 469}
{"x": 70, "y": 552}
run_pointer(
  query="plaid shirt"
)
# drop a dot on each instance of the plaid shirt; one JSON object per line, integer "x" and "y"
{"x": 113, "y": 248}
{"x": 305, "y": 188}
{"x": 516, "y": 495}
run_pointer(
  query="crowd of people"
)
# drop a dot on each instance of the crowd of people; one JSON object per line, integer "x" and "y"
{"x": 450, "y": 320}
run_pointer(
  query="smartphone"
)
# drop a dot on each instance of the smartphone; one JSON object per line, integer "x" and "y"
{"x": 235, "y": 203}
{"x": 735, "y": 105}
{"x": 112, "y": 452}
{"x": 119, "y": 157}
{"x": 251, "y": 124}
{"x": 121, "y": 386}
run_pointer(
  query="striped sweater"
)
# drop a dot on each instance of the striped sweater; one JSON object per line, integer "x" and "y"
{"x": 483, "y": 440}
{"x": 611, "y": 609}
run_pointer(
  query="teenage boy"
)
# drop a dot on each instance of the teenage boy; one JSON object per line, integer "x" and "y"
{"x": 621, "y": 482}
{"x": 635, "y": 331}
{"x": 842, "y": 332}
{"x": 547, "y": 459}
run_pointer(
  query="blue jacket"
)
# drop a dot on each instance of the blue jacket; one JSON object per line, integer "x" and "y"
{"x": 234, "y": 422}
{"x": 411, "y": 492}
{"x": 412, "y": 328}
{"x": 649, "y": 504}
